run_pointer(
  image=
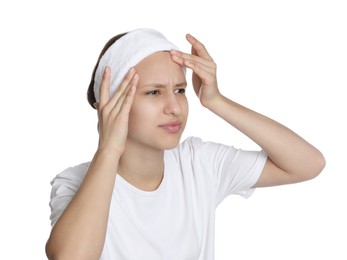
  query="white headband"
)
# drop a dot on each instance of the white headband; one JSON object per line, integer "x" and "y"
{"x": 126, "y": 52}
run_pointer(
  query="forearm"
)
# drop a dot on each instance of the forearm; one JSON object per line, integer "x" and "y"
{"x": 286, "y": 149}
{"x": 80, "y": 231}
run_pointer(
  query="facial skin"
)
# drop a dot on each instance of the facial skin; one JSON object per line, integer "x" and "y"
{"x": 159, "y": 111}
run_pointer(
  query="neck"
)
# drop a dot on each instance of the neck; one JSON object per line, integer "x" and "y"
{"x": 142, "y": 167}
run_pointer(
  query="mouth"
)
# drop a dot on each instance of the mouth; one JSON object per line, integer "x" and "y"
{"x": 172, "y": 127}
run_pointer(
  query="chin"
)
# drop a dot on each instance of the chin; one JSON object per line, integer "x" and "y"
{"x": 171, "y": 146}
{"x": 171, "y": 142}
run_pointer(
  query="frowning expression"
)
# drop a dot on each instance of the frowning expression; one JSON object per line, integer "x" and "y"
{"x": 159, "y": 112}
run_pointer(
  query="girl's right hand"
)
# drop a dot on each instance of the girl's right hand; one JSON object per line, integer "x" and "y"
{"x": 113, "y": 112}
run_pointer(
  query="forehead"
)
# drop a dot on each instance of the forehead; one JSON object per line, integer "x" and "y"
{"x": 159, "y": 65}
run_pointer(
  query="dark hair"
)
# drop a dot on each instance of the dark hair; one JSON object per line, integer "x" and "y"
{"x": 90, "y": 92}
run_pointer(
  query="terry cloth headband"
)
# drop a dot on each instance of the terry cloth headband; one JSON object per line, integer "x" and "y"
{"x": 126, "y": 52}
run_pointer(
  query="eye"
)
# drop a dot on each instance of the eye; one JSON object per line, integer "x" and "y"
{"x": 153, "y": 92}
{"x": 180, "y": 91}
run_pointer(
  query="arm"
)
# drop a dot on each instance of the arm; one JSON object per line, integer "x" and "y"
{"x": 80, "y": 231}
{"x": 290, "y": 158}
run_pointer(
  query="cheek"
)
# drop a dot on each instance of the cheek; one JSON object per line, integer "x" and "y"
{"x": 134, "y": 117}
{"x": 141, "y": 113}
{"x": 184, "y": 105}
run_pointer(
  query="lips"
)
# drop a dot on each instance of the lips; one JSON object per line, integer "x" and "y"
{"x": 172, "y": 127}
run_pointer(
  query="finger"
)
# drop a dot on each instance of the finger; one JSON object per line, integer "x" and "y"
{"x": 123, "y": 85}
{"x": 132, "y": 83}
{"x": 194, "y": 65}
{"x": 197, "y": 67}
{"x": 197, "y": 47}
{"x": 184, "y": 59}
{"x": 206, "y": 76}
{"x": 128, "y": 91}
{"x": 105, "y": 87}
{"x": 128, "y": 101}
{"x": 180, "y": 57}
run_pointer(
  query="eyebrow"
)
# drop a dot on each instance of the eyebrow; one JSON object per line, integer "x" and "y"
{"x": 160, "y": 85}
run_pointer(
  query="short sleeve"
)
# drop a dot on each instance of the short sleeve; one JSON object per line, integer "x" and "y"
{"x": 64, "y": 188}
{"x": 233, "y": 171}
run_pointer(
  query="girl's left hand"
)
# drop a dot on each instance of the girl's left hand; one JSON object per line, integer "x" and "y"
{"x": 203, "y": 67}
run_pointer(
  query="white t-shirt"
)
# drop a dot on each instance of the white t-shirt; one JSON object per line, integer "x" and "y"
{"x": 176, "y": 221}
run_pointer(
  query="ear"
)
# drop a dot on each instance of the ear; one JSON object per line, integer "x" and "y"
{"x": 96, "y": 105}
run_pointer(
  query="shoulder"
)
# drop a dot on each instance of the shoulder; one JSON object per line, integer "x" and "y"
{"x": 191, "y": 145}
{"x": 201, "y": 152}
{"x": 74, "y": 174}
{"x": 213, "y": 154}
{"x": 197, "y": 145}
{"x": 190, "y": 142}
{"x": 64, "y": 187}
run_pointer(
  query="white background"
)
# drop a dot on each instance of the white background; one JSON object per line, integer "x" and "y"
{"x": 285, "y": 59}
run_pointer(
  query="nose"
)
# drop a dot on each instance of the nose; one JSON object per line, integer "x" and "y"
{"x": 172, "y": 105}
